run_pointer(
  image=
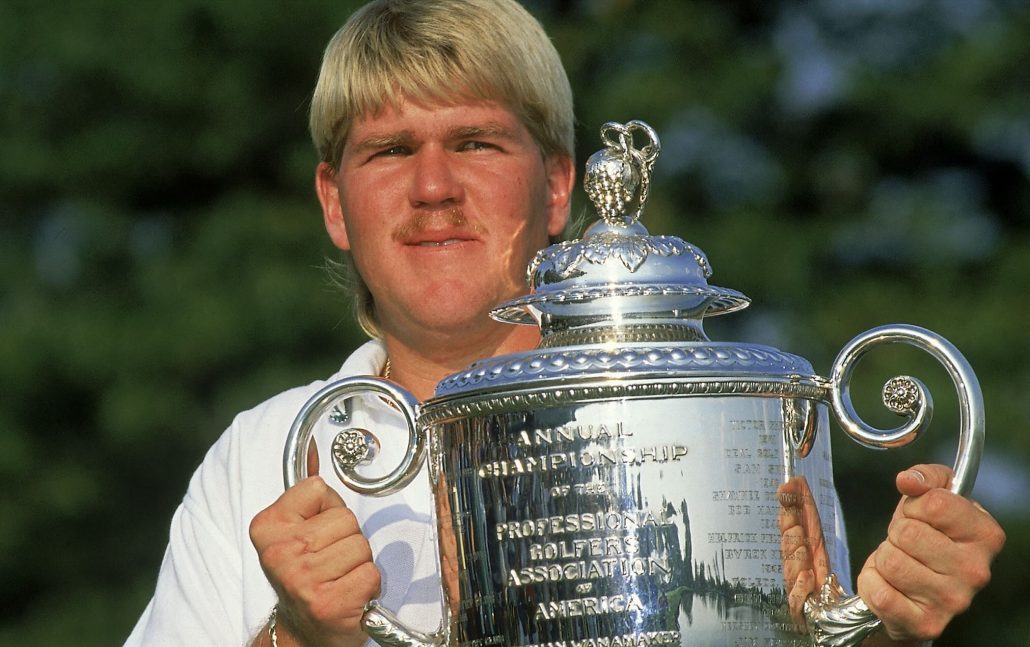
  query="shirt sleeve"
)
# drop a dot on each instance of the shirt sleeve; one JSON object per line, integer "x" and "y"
{"x": 199, "y": 597}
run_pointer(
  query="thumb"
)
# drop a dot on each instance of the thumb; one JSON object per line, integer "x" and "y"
{"x": 920, "y": 479}
{"x": 312, "y": 458}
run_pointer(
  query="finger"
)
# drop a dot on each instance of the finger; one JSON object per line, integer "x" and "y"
{"x": 965, "y": 560}
{"x": 308, "y": 498}
{"x": 900, "y": 615}
{"x": 920, "y": 479}
{"x": 795, "y": 558}
{"x": 365, "y": 581}
{"x": 302, "y": 501}
{"x": 312, "y": 458}
{"x": 925, "y": 544}
{"x": 335, "y": 604}
{"x": 792, "y": 537}
{"x": 804, "y": 586}
{"x": 348, "y": 597}
{"x": 326, "y": 528}
{"x": 790, "y": 497}
{"x": 789, "y": 518}
{"x": 303, "y": 574}
{"x": 918, "y": 583}
{"x": 955, "y": 516}
{"x": 792, "y": 493}
{"x": 339, "y": 558}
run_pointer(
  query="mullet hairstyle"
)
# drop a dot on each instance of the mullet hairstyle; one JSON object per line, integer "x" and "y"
{"x": 437, "y": 51}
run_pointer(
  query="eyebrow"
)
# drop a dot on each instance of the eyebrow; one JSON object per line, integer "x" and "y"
{"x": 406, "y": 137}
{"x": 378, "y": 142}
{"x": 491, "y": 129}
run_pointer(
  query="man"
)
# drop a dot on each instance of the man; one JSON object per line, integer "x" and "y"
{"x": 445, "y": 134}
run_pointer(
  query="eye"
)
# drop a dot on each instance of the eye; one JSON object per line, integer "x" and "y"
{"x": 476, "y": 145}
{"x": 392, "y": 151}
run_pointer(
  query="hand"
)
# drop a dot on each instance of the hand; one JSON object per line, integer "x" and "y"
{"x": 936, "y": 557}
{"x": 806, "y": 564}
{"x": 320, "y": 565}
{"x": 448, "y": 542}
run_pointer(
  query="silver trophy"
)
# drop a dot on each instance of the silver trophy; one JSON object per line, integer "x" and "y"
{"x": 631, "y": 482}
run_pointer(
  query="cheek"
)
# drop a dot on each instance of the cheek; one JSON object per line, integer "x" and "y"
{"x": 360, "y": 214}
{"x": 535, "y": 217}
{"x": 523, "y": 199}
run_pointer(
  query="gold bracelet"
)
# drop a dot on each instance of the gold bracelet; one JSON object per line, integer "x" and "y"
{"x": 272, "y": 617}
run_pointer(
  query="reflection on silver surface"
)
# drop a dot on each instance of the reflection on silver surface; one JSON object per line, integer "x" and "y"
{"x": 631, "y": 482}
{"x": 622, "y": 520}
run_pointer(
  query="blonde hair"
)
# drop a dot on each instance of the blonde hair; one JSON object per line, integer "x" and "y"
{"x": 439, "y": 51}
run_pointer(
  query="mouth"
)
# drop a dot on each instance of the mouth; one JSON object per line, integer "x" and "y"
{"x": 442, "y": 243}
{"x": 440, "y": 239}
{"x": 438, "y": 230}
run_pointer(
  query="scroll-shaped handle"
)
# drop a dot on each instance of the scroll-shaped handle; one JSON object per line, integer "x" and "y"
{"x": 833, "y": 619}
{"x": 354, "y": 445}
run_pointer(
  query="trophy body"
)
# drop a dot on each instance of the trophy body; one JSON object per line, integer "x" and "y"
{"x": 631, "y": 482}
{"x": 629, "y": 512}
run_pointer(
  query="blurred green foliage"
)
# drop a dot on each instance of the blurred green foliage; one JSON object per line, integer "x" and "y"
{"x": 845, "y": 164}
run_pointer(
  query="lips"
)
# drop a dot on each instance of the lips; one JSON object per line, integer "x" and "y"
{"x": 435, "y": 238}
{"x": 442, "y": 243}
{"x": 437, "y": 229}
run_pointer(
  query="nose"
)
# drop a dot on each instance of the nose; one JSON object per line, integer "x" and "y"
{"x": 435, "y": 181}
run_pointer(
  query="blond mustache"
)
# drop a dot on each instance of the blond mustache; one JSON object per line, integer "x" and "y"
{"x": 425, "y": 220}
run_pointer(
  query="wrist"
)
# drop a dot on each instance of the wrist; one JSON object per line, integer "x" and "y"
{"x": 278, "y": 635}
{"x": 881, "y": 639}
{"x": 271, "y": 627}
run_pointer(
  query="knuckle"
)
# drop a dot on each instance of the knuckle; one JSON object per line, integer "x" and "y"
{"x": 304, "y": 567}
{"x": 995, "y": 539}
{"x": 370, "y": 579}
{"x": 883, "y": 602}
{"x": 937, "y": 501}
{"x": 344, "y": 517}
{"x": 929, "y": 626}
{"x": 314, "y": 486}
{"x": 906, "y": 532}
{"x": 866, "y": 582}
{"x": 978, "y": 575}
{"x": 258, "y": 524}
{"x": 952, "y": 601}
{"x": 363, "y": 549}
{"x": 888, "y": 560}
{"x": 901, "y": 622}
{"x": 274, "y": 555}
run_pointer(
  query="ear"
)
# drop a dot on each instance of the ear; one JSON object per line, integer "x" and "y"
{"x": 332, "y": 211}
{"x": 561, "y": 177}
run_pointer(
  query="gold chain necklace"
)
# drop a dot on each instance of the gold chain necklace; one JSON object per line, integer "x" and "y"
{"x": 386, "y": 369}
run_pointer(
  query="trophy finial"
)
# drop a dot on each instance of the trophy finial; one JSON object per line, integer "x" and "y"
{"x": 620, "y": 172}
{"x": 618, "y": 281}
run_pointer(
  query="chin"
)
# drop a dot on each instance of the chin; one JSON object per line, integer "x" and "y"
{"x": 464, "y": 322}
{"x": 466, "y": 301}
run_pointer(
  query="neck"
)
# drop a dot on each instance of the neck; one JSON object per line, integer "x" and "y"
{"x": 419, "y": 366}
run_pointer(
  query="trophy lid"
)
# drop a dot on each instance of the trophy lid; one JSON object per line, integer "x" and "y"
{"x": 618, "y": 282}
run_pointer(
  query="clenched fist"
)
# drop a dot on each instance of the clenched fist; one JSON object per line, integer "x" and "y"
{"x": 312, "y": 551}
{"x": 937, "y": 555}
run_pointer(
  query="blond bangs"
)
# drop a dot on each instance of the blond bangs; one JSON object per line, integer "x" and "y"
{"x": 441, "y": 52}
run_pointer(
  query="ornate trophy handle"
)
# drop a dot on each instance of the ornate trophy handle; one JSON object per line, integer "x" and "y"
{"x": 353, "y": 447}
{"x": 838, "y": 621}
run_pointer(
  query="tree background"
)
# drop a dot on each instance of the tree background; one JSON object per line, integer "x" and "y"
{"x": 845, "y": 163}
